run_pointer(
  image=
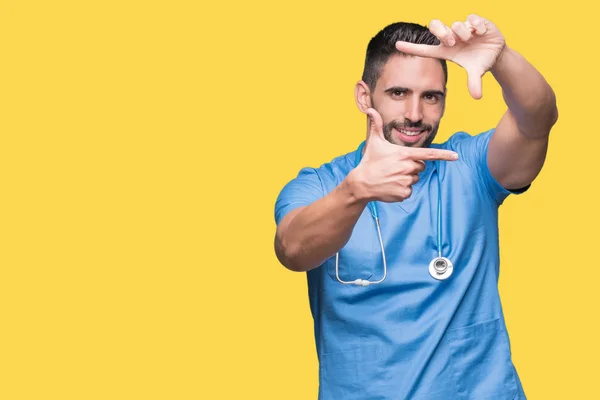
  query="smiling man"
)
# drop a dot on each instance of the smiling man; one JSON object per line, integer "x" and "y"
{"x": 391, "y": 79}
{"x": 399, "y": 239}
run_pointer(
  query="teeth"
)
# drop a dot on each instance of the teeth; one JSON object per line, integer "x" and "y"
{"x": 409, "y": 133}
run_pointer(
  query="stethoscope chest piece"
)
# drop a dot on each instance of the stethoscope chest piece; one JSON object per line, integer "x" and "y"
{"x": 440, "y": 268}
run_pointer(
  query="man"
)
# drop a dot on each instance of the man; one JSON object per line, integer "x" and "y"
{"x": 399, "y": 238}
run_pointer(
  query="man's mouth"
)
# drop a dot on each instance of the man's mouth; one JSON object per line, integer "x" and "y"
{"x": 410, "y": 131}
{"x": 410, "y": 135}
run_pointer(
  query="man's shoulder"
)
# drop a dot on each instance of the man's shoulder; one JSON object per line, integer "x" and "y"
{"x": 311, "y": 183}
{"x": 471, "y": 147}
{"x": 460, "y": 138}
{"x": 343, "y": 159}
{"x": 335, "y": 169}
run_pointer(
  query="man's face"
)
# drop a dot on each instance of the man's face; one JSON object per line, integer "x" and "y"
{"x": 410, "y": 97}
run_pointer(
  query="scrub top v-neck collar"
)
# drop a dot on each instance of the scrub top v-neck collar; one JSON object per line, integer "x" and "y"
{"x": 409, "y": 204}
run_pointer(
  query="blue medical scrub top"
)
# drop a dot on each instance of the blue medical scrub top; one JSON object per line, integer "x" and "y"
{"x": 414, "y": 337}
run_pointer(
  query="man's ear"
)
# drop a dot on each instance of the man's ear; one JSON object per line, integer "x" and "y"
{"x": 362, "y": 95}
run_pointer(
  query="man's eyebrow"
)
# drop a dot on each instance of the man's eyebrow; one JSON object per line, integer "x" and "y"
{"x": 434, "y": 92}
{"x": 397, "y": 88}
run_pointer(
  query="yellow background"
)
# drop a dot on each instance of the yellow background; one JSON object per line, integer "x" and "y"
{"x": 143, "y": 145}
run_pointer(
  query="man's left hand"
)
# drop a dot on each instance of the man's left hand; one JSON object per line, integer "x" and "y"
{"x": 475, "y": 45}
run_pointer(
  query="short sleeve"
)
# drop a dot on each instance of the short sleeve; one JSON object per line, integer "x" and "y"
{"x": 303, "y": 190}
{"x": 473, "y": 150}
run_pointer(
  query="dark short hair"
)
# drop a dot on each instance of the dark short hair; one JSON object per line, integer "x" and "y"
{"x": 383, "y": 45}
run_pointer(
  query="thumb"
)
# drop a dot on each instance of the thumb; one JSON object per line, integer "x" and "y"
{"x": 375, "y": 123}
{"x": 474, "y": 83}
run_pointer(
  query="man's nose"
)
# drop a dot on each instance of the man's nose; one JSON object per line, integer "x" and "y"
{"x": 414, "y": 110}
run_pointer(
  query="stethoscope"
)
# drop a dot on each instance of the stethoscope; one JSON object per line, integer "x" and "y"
{"x": 440, "y": 267}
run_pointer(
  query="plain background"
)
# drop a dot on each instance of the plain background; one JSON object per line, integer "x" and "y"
{"x": 143, "y": 145}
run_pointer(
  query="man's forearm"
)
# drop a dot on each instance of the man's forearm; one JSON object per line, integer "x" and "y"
{"x": 529, "y": 98}
{"x": 319, "y": 230}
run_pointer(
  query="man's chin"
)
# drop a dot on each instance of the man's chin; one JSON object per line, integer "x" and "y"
{"x": 417, "y": 144}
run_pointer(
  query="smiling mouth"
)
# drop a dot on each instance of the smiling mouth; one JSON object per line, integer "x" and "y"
{"x": 410, "y": 131}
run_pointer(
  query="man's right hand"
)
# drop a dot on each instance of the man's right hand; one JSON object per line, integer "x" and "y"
{"x": 387, "y": 171}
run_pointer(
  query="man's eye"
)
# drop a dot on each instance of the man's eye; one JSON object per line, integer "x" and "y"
{"x": 431, "y": 97}
{"x": 398, "y": 93}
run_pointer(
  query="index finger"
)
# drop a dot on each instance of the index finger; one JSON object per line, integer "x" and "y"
{"x": 423, "y": 50}
{"x": 419, "y": 153}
